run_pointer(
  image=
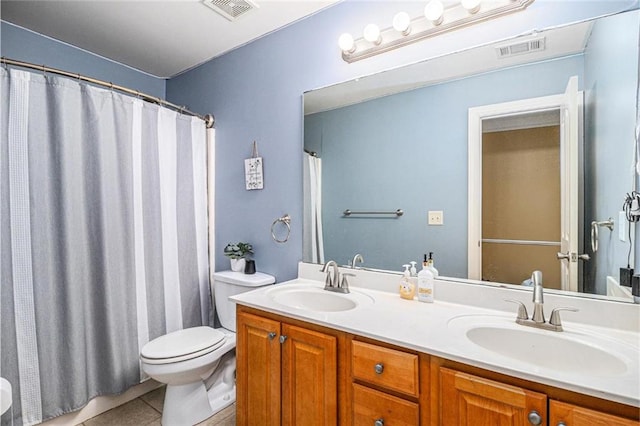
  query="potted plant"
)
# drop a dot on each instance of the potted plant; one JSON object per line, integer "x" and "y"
{"x": 237, "y": 254}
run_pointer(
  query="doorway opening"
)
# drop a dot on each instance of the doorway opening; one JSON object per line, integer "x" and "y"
{"x": 523, "y": 198}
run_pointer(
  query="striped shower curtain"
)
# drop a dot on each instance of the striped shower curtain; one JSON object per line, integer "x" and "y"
{"x": 103, "y": 238}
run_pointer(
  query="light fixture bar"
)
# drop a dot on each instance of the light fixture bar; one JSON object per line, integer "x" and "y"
{"x": 453, "y": 17}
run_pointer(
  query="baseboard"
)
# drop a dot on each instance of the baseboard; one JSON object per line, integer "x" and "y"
{"x": 101, "y": 404}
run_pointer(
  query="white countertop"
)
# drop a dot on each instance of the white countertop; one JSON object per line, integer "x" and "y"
{"x": 425, "y": 327}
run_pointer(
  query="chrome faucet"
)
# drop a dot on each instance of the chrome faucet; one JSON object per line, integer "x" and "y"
{"x": 332, "y": 282}
{"x": 357, "y": 258}
{"x": 537, "y": 319}
{"x": 538, "y": 298}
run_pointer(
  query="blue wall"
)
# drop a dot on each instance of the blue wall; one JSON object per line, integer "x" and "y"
{"x": 24, "y": 45}
{"x": 611, "y": 68}
{"x": 409, "y": 151}
{"x": 256, "y": 91}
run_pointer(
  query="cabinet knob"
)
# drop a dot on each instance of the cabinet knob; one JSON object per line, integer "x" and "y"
{"x": 379, "y": 422}
{"x": 534, "y": 418}
{"x": 271, "y": 335}
{"x": 283, "y": 338}
{"x": 379, "y": 368}
{"x": 562, "y": 424}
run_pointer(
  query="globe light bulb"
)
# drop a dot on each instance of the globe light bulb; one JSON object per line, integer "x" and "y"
{"x": 346, "y": 43}
{"x": 434, "y": 12}
{"x": 372, "y": 34}
{"x": 472, "y": 6}
{"x": 402, "y": 23}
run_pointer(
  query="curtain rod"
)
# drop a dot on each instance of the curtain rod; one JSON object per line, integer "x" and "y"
{"x": 208, "y": 119}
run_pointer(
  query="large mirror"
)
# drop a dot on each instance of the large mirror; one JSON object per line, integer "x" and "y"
{"x": 404, "y": 140}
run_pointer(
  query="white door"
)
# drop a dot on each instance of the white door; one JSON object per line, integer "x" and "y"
{"x": 569, "y": 187}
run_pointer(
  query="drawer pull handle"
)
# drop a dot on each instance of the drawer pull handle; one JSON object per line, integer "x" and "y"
{"x": 534, "y": 418}
{"x": 271, "y": 335}
{"x": 379, "y": 422}
{"x": 379, "y": 368}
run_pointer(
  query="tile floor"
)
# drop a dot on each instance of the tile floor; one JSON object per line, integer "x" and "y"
{"x": 147, "y": 411}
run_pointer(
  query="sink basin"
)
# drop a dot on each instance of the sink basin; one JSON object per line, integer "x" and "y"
{"x": 566, "y": 351}
{"x": 310, "y": 298}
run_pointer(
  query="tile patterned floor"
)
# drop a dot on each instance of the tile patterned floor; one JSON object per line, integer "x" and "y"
{"x": 147, "y": 411}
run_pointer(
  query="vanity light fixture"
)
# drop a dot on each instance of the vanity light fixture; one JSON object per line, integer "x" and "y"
{"x": 437, "y": 19}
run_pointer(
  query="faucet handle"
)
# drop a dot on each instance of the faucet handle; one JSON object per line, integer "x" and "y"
{"x": 555, "y": 315}
{"x": 345, "y": 282}
{"x": 522, "y": 309}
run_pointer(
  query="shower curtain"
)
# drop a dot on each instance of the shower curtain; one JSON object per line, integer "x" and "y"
{"x": 313, "y": 247}
{"x": 103, "y": 238}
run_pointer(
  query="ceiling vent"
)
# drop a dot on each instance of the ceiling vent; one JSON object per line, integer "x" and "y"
{"x": 535, "y": 45}
{"x": 231, "y": 9}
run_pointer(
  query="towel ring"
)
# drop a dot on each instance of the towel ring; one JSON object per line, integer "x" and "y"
{"x": 594, "y": 232}
{"x": 286, "y": 219}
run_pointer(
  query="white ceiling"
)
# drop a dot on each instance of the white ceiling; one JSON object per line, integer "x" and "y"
{"x": 162, "y": 38}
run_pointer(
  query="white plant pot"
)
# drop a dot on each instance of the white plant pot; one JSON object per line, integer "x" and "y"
{"x": 237, "y": 265}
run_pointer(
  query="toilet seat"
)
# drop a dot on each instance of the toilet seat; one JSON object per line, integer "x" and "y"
{"x": 182, "y": 345}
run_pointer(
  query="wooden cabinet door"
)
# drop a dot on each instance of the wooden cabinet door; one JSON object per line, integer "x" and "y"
{"x": 309, "y": 377}
{"x": 468, "y": 400}
{"x": 561, "y": 414}
{"x": 258, "y": 371}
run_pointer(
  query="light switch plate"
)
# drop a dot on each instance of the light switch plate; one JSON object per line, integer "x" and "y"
{"x": 436, "y": 217}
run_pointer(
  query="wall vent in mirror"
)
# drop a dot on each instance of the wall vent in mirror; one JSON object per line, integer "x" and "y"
{"x": 437, "y": 19}
{"x": 521, "y": 48}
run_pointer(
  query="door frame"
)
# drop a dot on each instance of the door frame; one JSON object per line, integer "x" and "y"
{"x": 476, "y": 116}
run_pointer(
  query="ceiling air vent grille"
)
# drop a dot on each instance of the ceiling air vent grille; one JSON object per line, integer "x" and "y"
{"x": 535, "y": 45}
{"x": 231, "y": 9}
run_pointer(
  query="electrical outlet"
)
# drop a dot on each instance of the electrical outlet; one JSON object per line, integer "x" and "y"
{"x": 436, "y": 217}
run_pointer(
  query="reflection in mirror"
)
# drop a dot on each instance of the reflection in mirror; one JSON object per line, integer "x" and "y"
{"x": 400, "y": 140}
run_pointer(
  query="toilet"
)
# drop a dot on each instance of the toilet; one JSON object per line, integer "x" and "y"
{"x": 198, "y": 364}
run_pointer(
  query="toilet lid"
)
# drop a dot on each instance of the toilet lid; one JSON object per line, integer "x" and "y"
{"x": 183, "y": 342}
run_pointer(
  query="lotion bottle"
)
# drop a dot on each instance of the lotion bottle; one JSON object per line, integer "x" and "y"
{"x": 425, "y": 283}
{"x": 432, "y": 268}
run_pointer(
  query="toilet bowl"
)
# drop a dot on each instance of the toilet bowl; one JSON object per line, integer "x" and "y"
{"x": 198, "y": 364}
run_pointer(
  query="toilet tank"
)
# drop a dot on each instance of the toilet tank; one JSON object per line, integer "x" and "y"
{"x": 229, "y": 283}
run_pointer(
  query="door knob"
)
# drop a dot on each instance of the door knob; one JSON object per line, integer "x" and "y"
{"x": 584, "y": 257}
{"x": 563, "y": 256}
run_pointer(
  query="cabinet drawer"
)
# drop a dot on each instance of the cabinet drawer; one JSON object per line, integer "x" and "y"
{"x": 389, "y": 368}
{"x": 370, "y": 405}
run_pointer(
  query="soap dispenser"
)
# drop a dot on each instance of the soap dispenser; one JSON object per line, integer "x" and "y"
{"x": 414, "y": 272}
{"x": 407, "y": 288}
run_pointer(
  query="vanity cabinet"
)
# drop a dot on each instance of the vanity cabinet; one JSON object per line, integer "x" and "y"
{"x": 386, "y": 385}
{"x": 286, "y": 374}
{"x": 466, "y": 399}
{"x": 290, "y": 372}
{"x": 563, "y": 414}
